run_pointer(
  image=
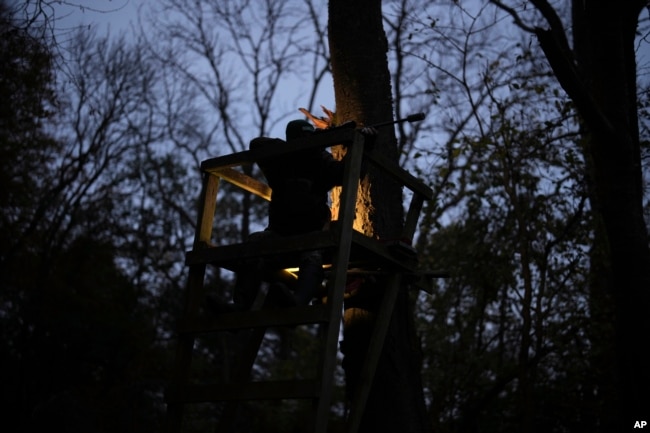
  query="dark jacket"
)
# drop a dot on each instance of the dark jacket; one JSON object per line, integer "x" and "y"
{"x": 300, "y": 182}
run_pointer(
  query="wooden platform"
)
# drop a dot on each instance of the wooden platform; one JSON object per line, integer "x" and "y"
{"x": 345, "y": 250}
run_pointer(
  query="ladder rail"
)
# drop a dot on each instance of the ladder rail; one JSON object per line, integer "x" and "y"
{"x": 193, "y": 296}
{"x": 348, "y": 198}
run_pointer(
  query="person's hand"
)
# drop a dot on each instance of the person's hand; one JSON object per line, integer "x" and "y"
{"x": 370, "y": 134}
{"x": 369, "y": 131}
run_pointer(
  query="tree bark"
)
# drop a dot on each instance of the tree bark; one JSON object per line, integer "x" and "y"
{"x": 363, "y": 93}
{"x": 600, "y": 77}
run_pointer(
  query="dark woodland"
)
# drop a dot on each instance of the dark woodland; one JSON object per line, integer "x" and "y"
{"x": 535, "y": 145}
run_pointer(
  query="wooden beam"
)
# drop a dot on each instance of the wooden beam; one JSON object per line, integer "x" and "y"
{"x": 402, "y": 176}
{"x": 281, "y": 248}
{"x": 244, "y": 182}
{"x": 322, "y": 140}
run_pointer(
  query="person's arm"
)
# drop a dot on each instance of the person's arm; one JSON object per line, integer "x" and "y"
{"x": 260, "y": 142}
{"x": 268, "y": 166}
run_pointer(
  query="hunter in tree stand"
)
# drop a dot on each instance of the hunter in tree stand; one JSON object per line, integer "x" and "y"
{"x": 299, "y": 204}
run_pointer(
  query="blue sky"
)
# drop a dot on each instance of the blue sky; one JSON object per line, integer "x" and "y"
{"x": 113, "y": 15}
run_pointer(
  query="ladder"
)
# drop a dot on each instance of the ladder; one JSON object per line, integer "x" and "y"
{"x": 344, "y": 249}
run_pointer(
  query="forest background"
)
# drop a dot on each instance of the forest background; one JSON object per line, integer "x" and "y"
{"x": 101, "y": 144}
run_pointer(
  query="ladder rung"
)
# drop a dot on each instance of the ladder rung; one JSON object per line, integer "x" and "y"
{"x": 265, "y": 318}
{"x": 270, "y": 390}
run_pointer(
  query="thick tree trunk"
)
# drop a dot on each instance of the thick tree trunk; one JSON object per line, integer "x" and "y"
{"x": 362, "y": 88}
{"x": 604, "y": 51}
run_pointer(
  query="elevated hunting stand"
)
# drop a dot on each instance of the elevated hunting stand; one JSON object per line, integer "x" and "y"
{"x": 344, "y": 249}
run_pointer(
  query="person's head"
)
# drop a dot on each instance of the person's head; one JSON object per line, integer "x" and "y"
{"x": 298, "y": 128}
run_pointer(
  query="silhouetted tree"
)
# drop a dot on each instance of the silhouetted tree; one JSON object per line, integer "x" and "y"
{"x": 362, "y": 86}
{"x": 77, "y": 332}
{"x": 598, "y": 72}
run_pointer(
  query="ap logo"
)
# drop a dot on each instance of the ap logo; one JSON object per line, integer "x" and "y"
{"x": 640, "y": 424}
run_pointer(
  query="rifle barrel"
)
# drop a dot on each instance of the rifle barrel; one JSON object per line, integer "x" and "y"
{"x": 410, "y": 118}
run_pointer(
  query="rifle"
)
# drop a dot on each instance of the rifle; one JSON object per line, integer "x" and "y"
{"x": 416, "y": 117}
{"x": 410, "y": 119}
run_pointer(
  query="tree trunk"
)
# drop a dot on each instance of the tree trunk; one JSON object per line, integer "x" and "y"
{"x": 363, "y": 93}
{"x": 604, "y": 33}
